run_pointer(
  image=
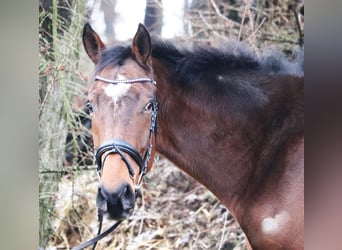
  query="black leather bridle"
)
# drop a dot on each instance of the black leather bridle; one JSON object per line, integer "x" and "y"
{"x": 118, "y": 146}
{"x": 121, "y": 147}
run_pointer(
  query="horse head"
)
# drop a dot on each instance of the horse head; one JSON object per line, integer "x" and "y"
{"x": 123, "y": 110}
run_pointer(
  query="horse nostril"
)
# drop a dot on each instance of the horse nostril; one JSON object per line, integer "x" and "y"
{"x": 127, "y": 198}
{"x": 127, "y": 194}
{"x": 101, "y": 201}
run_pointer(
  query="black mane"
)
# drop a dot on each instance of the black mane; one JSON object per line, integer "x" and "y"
{"x": 193, "y": 65}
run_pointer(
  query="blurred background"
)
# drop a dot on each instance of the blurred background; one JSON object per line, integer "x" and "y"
{"x": 174, "y": 211}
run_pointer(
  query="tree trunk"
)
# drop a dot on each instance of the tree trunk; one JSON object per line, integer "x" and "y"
{"x": 154, "y": 16}
{"x": 108, "y": 8}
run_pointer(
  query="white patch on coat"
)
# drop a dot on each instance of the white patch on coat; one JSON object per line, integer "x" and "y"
{"x": 120, "y": 77}
{"x": 117, "y": 91}
{"x": 274, "y": 225}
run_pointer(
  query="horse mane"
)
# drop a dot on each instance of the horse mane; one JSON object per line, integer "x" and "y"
{"x": 192, "y": 64}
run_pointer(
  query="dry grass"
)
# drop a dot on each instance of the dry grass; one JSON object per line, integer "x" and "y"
{"x": 174, "y": 212}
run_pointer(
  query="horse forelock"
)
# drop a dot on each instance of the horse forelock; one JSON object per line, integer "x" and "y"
{"x": 113, "y": 56}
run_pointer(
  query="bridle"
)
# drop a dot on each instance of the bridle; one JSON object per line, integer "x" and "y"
{"x": 121, "y": 147}
{"x": 118, "y": 146}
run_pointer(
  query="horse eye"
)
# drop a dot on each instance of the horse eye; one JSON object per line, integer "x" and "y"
{"x": 148, "y": 107}
{"x": 89, "y": 107}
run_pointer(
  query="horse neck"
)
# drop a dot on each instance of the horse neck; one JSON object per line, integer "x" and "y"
{"x": 220, "y": 149}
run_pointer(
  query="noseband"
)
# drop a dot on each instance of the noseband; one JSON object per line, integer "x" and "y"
{"x": 118, "y": 146}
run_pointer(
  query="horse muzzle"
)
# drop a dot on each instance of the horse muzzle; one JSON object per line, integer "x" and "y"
{"x": 117, "y": 205}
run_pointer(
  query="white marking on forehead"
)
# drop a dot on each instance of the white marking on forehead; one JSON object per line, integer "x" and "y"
{"x": 274, "y": 225}
{"x": 117, "y": 91}
{"x": 120, "y": 77}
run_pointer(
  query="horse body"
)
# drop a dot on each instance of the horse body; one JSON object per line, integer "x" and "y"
{"x": 241, "y": 154}
{"x": 232, "y": 122}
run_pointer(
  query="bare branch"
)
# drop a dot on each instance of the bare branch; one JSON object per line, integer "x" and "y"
{"x": 217, "y": 11}
{"x": 67, "y": 170}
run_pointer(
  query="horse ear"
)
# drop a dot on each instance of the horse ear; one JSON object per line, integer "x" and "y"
{"x": 92, "y": 43}
{"x": 141, "y": 45}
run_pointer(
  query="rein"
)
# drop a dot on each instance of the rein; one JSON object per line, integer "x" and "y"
{"x": 118, "y": 146}
{"x": 98, "y": 237}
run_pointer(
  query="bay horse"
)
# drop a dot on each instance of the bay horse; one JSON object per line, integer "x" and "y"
{"x": 229, "y": 118}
